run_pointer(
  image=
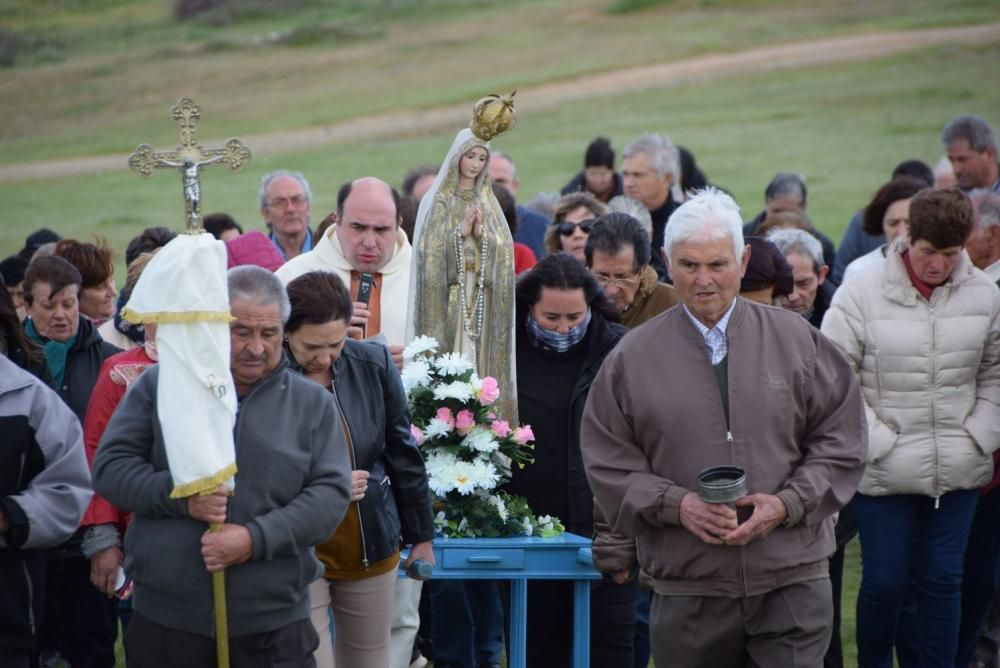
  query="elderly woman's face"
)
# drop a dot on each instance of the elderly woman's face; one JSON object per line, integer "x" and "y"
{"x": 317, "y": 347}
{"x": 933, "y": 265}
{"x": 98, "y": 302}
{"x": 56, "y": 316}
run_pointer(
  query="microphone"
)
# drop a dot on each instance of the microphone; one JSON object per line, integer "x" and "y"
{"x": 419, "y": 570}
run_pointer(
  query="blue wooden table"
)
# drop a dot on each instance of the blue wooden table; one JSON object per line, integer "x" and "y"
{"x": 519, "y": 559}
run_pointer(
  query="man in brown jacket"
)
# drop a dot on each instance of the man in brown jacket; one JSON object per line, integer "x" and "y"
{"x": 726, "y": 381}
{"x": 618, "y": 255}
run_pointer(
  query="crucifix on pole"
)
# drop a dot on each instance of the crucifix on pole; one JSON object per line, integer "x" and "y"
{"x": 189, "y": 157}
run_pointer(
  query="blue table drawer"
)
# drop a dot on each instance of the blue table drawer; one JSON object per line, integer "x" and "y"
{"x": 484, "y": 559}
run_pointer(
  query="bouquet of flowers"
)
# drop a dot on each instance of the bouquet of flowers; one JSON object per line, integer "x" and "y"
{"x": 469, "y": 452}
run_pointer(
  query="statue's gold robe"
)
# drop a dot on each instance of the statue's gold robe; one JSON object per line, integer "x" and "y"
{"x": 464, "y": 284}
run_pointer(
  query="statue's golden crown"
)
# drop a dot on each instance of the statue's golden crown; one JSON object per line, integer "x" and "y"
{"x": 492, "y": 115}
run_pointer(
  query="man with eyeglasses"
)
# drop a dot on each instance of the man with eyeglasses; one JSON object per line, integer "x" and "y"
{"x": 285, "y": 201}
{"x": 618, "y": 255}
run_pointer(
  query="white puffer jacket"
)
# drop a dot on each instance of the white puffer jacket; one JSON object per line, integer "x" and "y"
{"x": 930, "y": 373}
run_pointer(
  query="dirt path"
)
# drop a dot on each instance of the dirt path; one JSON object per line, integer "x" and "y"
{"x": 392, "y": 124}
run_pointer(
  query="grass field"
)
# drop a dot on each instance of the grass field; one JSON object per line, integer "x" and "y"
{"x": 104, "y": 69}
{"x": 842, "y": 126}
{"x": 98, "y": 77}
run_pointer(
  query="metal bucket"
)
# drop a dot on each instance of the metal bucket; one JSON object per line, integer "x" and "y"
{"x": 722, "y": 484}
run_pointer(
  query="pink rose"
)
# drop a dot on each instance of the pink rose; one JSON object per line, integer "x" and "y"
{"x": 501, "y": 428}
{"x": 465, "y": 422}
{"x": 489, "y": 392}
{"x": 444, "y": 414}
{"x": 524, "y": 434}
{"x": 418, "y": 435}
{"x": 491, "y": 415}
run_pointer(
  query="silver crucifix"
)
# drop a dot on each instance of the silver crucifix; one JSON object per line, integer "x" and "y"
{"x": 189, "y": 157}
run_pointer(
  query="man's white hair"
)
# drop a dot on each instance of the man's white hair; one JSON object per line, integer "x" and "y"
{"x": 709, "y": 215}
{"x": 268, "y": 178}
{"x": 791, "y": 240}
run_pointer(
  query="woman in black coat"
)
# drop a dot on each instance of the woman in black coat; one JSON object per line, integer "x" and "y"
{"x": 389, "y": 482}
{"x": 565, "y": 327}
{"x": 80, "y": 622}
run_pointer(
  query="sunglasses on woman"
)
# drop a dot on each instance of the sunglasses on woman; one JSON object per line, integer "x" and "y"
{"x": 567, "y": 229}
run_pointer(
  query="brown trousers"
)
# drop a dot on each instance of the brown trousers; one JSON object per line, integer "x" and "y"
{"x": 150, "y": 645}
{"x": 788, "y": 627}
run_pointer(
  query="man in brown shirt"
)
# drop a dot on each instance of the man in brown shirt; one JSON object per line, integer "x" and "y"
{"x": 618, "y": 255}
{"x": 725, "y": 381}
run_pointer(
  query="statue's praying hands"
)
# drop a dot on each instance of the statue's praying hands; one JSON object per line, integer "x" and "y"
{"x": 473, "y": 222}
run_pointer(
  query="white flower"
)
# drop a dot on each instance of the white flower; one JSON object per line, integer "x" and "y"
{"x": 456, "y": 390}
{"x": 453, "y": 364}
{"x": 421, "y": 344}
{"x": 440, "y": 520}
{"x": 480, "y": 440}
{"x": 463, "y": 481}
{"x": 463, "y": 478}
{"x": 447, "y": 473}
{"x": 436, "y": 429}
{"x": 501, "y": 507}
{"x": 544, "y": 522}
{"x": 439, "y": 467}
{"x": 463, "y": 525}
{"x": 483, "y": 474}
{"x": 526, "y": 527}
{"x": 440, "y": 484}
{"x": 437, "y": 461}
{"x": 416, "y": 373}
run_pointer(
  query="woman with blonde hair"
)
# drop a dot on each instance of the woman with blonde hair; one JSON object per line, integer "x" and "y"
{"x": 574, "y": 215}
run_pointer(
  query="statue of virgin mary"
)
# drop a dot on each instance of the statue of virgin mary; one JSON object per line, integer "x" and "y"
{"x": 462, "y": 276}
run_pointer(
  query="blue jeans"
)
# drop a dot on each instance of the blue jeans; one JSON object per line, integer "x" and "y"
{"x": 904, "y": 540}
{"x": 982, "y": 574}
{"x": 467, "y": 627}
{"x": 641, "y": 642}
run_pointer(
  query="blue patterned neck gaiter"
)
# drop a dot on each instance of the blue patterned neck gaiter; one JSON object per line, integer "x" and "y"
{"x": 546, "y": 339}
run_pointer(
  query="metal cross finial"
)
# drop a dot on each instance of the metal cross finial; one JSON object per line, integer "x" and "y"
{"x": 189, "y": 157}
